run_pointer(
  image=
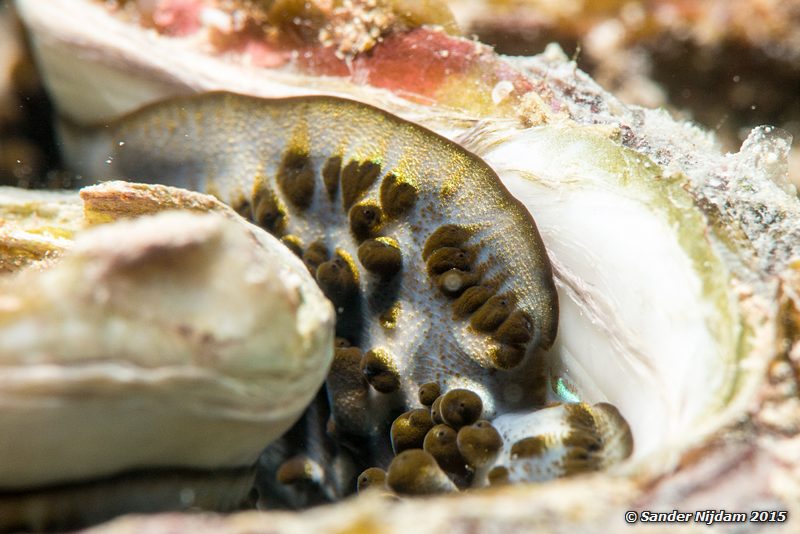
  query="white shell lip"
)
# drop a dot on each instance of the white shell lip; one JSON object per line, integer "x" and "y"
{"x": 645, "y": 325}
{"x": 172, "y": 340}
{"x": 144, "y": 68}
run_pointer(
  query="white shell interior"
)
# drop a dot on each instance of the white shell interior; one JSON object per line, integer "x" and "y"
{"x": 637, "y": 327}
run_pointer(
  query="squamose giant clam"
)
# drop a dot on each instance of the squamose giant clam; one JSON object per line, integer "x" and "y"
{"x": 675, "y": 264}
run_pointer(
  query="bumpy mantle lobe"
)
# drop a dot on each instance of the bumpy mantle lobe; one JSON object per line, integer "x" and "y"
{"x": 438, "y": 275}
{"x": 386, "y": 215}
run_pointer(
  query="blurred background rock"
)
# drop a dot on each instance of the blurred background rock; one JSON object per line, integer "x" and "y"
{"x": 727, "y": 64}
{"x": 28, "y": 157}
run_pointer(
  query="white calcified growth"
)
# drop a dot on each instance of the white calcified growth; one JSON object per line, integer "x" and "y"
{"x": 114, "y": 358}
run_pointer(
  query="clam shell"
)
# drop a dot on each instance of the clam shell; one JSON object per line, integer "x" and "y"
{"x": 147, "y": 356}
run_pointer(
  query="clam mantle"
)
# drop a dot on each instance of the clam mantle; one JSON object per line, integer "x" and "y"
{"x": 689, "y": 291}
